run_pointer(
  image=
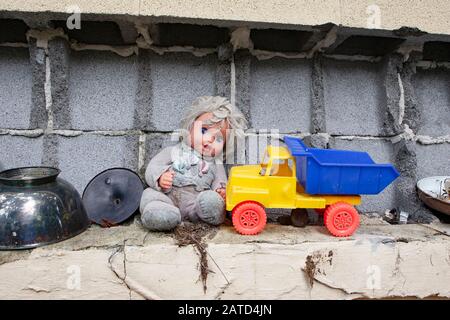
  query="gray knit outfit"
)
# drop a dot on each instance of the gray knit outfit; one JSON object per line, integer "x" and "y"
{"x": 192, "y": 196}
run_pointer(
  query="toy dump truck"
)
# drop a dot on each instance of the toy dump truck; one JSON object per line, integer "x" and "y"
{"x": 329, "y": 181}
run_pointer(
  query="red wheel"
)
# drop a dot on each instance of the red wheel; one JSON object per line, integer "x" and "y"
{"x": 341, "y": 219}
{"x": 249, "y": 218}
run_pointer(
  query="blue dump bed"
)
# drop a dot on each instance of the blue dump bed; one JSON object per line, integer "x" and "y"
{"x": 328, "y": 171}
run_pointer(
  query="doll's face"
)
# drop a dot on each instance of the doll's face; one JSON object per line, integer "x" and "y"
{"x": 208, "y": 138}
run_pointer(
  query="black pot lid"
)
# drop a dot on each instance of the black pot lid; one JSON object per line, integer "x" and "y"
{"x": 113, "y": 196}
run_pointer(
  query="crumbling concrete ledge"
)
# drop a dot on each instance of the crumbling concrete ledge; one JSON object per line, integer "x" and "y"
{"x": 127, "y": 262}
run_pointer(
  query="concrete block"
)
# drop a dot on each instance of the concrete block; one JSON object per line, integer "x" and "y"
{"x": 59, "y": 56}
{"x": 154, "y": 143}
{"x": 433, "y": 160}
{"x": 223, "y": 79}
{"x": 128, "y": 31}
{"x": 318, "y": 113}
{"x": 179, "y": 78}
{"x": 50, "y": 147}
{"x": 381, "y": 151}
{"x": 144, "y": 95}
{"x": 225, "y": 52}
{"x": 18, "y": 151}
{"x": 280, "y": 94}
{"x": 432, "y": 89}
{"x": 405, "y": 153}
{"x": 81, "y": 158}
{"x": 242, "y": 64}
{"x": 367, "y": 46}
{"x": 15, "y": 88}
{"x": 391, "y": 66}
{"x": 413, "y": 111}
{"x": 354, "y": 97}
{"x": 38, "y": 63}
{"x": 279, "y": 40}
{"x": 93, "y": 32}
{"x": 102, "y": 90}
{"x": 436, "y": 51}
{"x": 317, "y": 141}
{"x": 179, "y": 34}
{"x": 13, "y": 31}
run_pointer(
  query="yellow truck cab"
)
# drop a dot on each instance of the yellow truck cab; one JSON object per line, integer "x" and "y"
{"x": 271, "y": 184}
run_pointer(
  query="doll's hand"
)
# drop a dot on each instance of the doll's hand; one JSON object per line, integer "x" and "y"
{"x": 221, "y": 192}
{"x": 166, "y": 180}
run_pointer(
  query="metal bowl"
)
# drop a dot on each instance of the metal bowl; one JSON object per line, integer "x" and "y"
{"x": 38, "y": 208}
{"x": 433, "y": 192}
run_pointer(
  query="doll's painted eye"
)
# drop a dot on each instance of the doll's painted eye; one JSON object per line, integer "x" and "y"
{"x": 204, "y": 129}
{"x": 219, "y": 139}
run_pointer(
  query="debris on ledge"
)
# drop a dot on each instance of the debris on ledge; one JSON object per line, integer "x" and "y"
{"x": 127, "y": 262}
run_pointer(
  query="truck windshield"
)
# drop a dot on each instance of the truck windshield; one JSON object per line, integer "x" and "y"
{"x": 279, "y": 167}
{"x": 277, "y": 164}
{"x": 264, "y": 164}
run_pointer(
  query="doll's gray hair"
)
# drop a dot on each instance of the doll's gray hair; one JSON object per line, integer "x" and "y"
{"x": 221, "y": 109}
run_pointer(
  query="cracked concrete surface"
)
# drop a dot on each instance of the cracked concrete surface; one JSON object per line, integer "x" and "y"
{"x": 127, "y": 262}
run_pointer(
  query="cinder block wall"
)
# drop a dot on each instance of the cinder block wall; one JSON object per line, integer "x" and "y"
{"x": 105, "y": 96}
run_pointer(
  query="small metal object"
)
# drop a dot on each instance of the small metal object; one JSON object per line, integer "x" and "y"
{"x": 390, "y": 215}
{"x": 403, "y": 217}
{"x": 446, "y": 189}
{"x": 434, "y": 192}
{"x": 38, "y": 208}
{"x": 113, "y": 196}
{"x": 396, "y": 216}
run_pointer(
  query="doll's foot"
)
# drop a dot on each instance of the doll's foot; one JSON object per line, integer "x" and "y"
{"x": 210, "y": 207}
{"x": 160, "y": 216}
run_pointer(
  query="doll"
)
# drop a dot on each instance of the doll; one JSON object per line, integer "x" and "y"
{"x": 187, "y": 181}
